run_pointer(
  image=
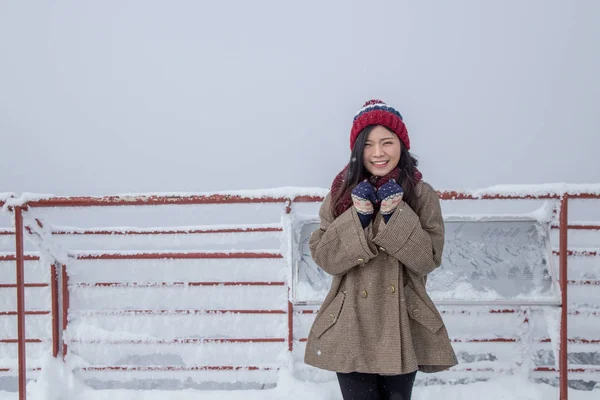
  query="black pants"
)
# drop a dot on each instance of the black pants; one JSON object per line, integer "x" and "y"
{"x": 359, "y": 386}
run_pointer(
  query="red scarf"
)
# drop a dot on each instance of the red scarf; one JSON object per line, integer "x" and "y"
{"x": 377, "y": 182}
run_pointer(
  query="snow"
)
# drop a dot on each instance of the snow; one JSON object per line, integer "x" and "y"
{"x": 93, "y": 254}
{"x": 464, "y": 291}
{"x": 133, "y": 325}
{"x": 163, "y": 230}
{"x": 553, "y": 322}
{"x": 6, "y": 195}
{"x": 287, "y": 192}
{"x": 284, "y": 129}
{"x": 290, "y": 192}
{"x": 14, "y": 200}
{"x": 279, "y": 192}
{"x": 544, "y": 213}
{"x": 551, "y": 189}
{"x": 56, "y": 382}
{"x": 171, "y": 270}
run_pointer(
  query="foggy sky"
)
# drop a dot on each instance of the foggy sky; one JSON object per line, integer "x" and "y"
{"x": 111, "y": 97}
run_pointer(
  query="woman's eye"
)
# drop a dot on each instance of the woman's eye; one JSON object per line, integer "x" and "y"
{"x": 387, "y": 143}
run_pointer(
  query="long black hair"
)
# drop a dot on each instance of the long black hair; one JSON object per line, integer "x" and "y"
{"x": 356, "y": 172}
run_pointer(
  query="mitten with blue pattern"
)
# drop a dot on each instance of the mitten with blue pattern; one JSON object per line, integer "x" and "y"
{"x": 363, "y": 197}
{"x": 390, "y": 196}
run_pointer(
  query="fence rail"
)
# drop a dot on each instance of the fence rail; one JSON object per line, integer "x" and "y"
{"x": 61, "y": 312}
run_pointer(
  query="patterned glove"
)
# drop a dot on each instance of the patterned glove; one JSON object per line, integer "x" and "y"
{"x": 363, "y": 197}
{"x": 390, "y": 196}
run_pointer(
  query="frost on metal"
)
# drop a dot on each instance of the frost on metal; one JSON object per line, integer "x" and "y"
{"x": 495, "y": 260}
{"x": 491, "y": 259}
{"x": 551, "y": 189}
{"x": 135, "y": 301}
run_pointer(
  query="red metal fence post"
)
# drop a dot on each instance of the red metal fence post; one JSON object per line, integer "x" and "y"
{"x": 288, "y": 210}
{"x": 55, "y": 312}
{"x": 563, "y": 254}
{"x": 65, "y": 306}
{"x": 20, "y": 258}
{"x": 290, "y": 325}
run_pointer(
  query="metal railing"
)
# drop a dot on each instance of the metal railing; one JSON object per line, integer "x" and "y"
{"x": 60, "y": 318}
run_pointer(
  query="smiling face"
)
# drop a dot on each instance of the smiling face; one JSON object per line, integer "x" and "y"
{"x": 382, "y": 151}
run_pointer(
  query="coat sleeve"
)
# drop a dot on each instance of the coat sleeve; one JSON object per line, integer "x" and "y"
{"x": 341, "y": 243}
{"x": 416, "y": 239}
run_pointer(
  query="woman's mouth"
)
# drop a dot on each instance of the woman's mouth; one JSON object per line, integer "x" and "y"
{"x": 380, "y": 164}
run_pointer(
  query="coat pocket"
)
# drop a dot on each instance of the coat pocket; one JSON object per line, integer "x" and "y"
{"x": 329, "y": 316}
{"x": 419, "y": 311}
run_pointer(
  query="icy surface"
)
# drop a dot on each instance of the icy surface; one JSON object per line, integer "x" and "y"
{"x": 58, "y": 383}
{"x": 486, "y": 258}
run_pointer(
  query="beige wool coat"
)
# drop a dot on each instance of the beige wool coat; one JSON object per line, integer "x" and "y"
{"x": 377, "y": 316}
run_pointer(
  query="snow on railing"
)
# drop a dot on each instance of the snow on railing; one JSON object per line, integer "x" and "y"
{"x": 19, "y": 205}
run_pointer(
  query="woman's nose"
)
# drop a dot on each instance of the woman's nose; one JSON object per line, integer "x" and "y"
{"x": 378, "y": 150}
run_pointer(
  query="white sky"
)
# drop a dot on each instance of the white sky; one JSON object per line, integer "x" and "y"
{"x": 131, "y": 96}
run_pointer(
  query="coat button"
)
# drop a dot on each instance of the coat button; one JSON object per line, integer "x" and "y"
{"x": 332, "y": 317}
{"x": 393, "y": 289}
{"x": 361, "y": 261}
{"x": 364, "y": 294}
{"x": 381, "y": 248}
{"x": 417, "y": 313}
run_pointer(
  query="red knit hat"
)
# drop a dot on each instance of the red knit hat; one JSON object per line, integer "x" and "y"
{"x": 376, "y": 112}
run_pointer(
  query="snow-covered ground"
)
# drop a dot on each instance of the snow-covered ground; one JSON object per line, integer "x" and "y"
{"x": 57, "y": 383}
{"x": 506, "y": 388}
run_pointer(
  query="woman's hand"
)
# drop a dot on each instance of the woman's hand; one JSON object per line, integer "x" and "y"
{"x": 363, "y": 197}
{"x": 390, "y": 196}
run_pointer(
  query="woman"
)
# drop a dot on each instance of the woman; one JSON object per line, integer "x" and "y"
{"x": 381, "y": 233}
